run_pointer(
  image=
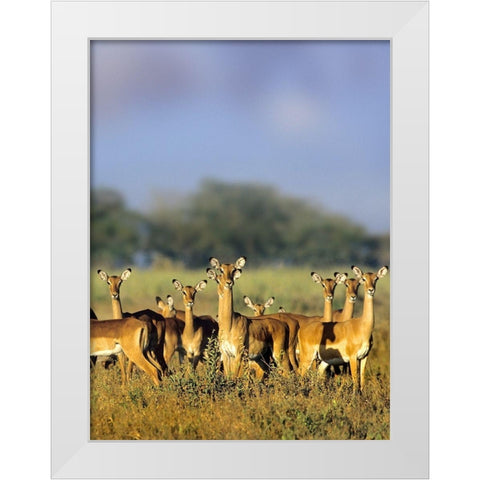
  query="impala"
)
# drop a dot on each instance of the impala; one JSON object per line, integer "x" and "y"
{"x": 350, "y": 341}
{"x": 197, "y": 330}
{"x": 294, "y": 321}
{"x": 329, "y": 285}
{"x": 346, "y": 313}
{"x": 167, "y": 331}
{"x": 114, "y": 282}
{"x": 167, "y": 309}
{"x": 134, "y": 338}
{"x": 258, "y": 308}
{"x": 239, "y": 334}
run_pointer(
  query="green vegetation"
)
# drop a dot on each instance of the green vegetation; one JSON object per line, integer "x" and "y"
{"x": 208, "y": 406}
{"x": 228, "y": 220}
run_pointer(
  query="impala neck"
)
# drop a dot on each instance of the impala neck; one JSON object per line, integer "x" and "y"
{"x": 348, "y": 309}
{"x": 189, "y": 327}
{"x": 367, "y": 316}
{"x": 328, "y": 312}
{"x": 117, "y": 308}
{"x": 225, "y": 309}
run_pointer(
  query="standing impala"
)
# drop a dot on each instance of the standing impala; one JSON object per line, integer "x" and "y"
{"x": 294, "y": 321}
{"x": 197, "y": 330}
{"x": 350, "y": 341}
{"x": 167, "y": 309}
{"x": 239, "y": 334}
{"x": 167, "y": 332}
{"x": 114, "y": 283}
{"x": 346, "y": 313}
{"x": 329, "y": 285}
{"x": 258, "y": 308}
{"x": 134, "y": 338}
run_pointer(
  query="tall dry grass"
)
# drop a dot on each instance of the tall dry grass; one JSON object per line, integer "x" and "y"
{"x": 208, "y": 406}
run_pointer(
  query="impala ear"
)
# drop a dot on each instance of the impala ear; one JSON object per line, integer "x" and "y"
{"x": 103, "y": 275}
{"x": 178, "y": 286}
{"x": 214, "y": 262}
{"x": 382, "y": 272}
{"x": 200, "y": 285}
{"x": 211, "y": 274}
{"x": 126, "y": 274}
{"x": 269, "y": 302}
{"x": 248, "y": 302}
{"x": 340, "y": 277}
{"x": 357, "y": 271}
{"x": 281, "y": 310}
{"x": 160, "y": 303}
{"x": 170, "y": 301}
{"x": 240, "y": 263}
{"x": 237, "y": 274}
{"x": 316, "y": 278}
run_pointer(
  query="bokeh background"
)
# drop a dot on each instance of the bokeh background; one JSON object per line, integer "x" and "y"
{"x": 277, "y": 150}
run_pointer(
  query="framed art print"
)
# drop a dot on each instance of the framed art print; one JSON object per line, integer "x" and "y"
{"x": 209, "y": 160}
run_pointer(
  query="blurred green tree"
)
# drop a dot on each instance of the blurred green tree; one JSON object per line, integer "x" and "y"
{"x": 227, "y": 220}
{"x": 116, "y": 234}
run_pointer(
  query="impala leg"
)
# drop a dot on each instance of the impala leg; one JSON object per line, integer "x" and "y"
{"x": 282, "y": 359}
{"x": 236, "y": 366}
{"x": 160, "y": 359}
{"x": 121, "y": 363}
{"x": 129, "y": 370}
{"x": 168, "y": 353}
{"x": 363, "y": 363}
{"x": 195, "y": 361}
{"x": 307, "y": 356}
{"x": 354, "y": 371}
{"x": 141, "y": 361}
{"x": 322, "y": 367}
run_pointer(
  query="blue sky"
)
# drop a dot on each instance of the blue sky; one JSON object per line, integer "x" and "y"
{"x": 311, "y": 118}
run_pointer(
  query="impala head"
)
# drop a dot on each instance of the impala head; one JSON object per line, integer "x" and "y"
{"x": 352, "y": 285}
{"x": 328, "y": 284}
{"x": 369, "y": 279}
{"x": 114, "y": 281}
{"x": 188, "y": 292}
{"x": 225, "y": 274}
{"x": 167, "y": 309}
{"x": 258, "y": 308}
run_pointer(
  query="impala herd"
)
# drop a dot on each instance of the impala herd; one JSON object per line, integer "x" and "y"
{"x": 291, "y": 341}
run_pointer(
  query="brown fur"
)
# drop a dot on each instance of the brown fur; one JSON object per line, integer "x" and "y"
{"x": 335, "y": 343}
{"x": 167, "y": 330}
{"x": 239, "y": 335}
{"x": 197, "y": 330}
{"x": 136, "y": 339}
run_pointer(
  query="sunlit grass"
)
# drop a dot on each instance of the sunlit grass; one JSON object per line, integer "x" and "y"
{"x": 208, "y": 406}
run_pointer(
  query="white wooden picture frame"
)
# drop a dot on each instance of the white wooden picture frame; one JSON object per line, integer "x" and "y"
{"x": 74, "y": 25}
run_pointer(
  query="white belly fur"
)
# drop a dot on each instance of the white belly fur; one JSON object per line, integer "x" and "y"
{"x": 113, "y": 351}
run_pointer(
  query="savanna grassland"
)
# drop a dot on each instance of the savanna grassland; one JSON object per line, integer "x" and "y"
{"x": 207, "y": 406}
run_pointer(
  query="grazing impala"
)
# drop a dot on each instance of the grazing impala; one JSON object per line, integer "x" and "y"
{"x": 258, "y": 308}
{"x": 197, "y": 330}
{"x": 350, "y": 341}
{"x": 135, "y": 338}
{"x": 239, "y": 334}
